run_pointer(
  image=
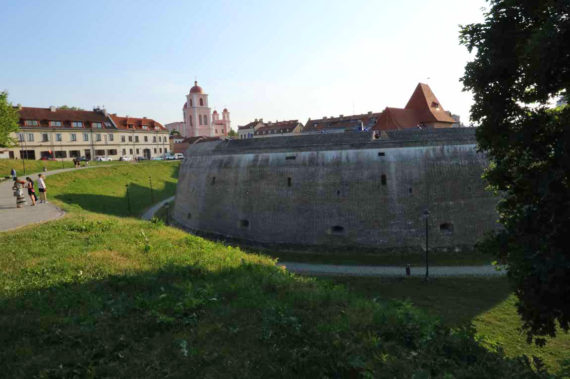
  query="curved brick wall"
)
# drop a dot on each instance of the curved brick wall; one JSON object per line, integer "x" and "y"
{"x": 343, "y": 189}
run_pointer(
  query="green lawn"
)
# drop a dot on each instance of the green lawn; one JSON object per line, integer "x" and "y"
{"x": 97, "y": 294}
{"x": 33, "y": 166}
{"x": 487, "y": 303}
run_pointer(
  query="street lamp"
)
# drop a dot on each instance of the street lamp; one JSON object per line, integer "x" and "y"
{"x": 128, "y": 199}
{"x": 426, "y": 217}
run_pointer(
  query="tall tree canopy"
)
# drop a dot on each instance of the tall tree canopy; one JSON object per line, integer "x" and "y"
{"x": 522, "y": 63}
{"x": 8, "y": 121}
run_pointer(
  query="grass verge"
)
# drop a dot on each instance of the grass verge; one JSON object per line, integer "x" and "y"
{"x": 33, "y": 166}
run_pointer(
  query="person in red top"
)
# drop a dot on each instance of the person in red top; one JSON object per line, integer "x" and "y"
{"x": 30, "y": 186}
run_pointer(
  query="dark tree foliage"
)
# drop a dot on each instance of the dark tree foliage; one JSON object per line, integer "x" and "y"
{"x": 9, "y": 117}
{"x": 522, "y": 61}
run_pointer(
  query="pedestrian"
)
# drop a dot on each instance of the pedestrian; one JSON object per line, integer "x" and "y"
{"x": 19, "y": 192}
{"x": 13, "y": 173}
{"x": 31, "y": 191}
{"x": 42, "y": 188}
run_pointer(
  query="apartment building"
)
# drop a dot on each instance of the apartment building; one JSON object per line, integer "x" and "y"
{"x": 51, "y": 133}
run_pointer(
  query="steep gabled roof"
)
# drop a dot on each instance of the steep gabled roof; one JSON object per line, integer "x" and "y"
{"x": 278, "y": 127}
{"x": 427, "y": 106}
{"x": 136, "y": 122}
{"x": 46, "y": 114}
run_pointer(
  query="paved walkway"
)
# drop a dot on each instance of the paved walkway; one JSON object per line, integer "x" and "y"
{"x": 388, "y": 271}
{"x": 149, "y": 213}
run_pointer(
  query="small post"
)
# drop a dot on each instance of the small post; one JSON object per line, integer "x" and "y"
{"x": 151, "y": 192}
{"x": 408, "y": 270}
{"x": 167, "y": 206}
{"x": 128, "y": 199}
{"x": 426, "y": 217}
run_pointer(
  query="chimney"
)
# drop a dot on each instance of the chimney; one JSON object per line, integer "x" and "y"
{"x": 52, "y": 108}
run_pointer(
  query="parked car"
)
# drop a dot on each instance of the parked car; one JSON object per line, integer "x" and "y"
{"x": 179, "y": 156}
{"x": 140, "y": 159}
{"x": 126, "y": 158}
{"x": 156, "y": 159}
{"x": 169, "y": 157}
{"x": 103, "y": 159}
{"x": 84, "y": 159}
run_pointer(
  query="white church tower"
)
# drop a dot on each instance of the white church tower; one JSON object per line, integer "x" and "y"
{"x": 198, "y": 118}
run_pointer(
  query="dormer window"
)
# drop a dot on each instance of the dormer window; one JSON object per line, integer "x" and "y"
{"x": 76, "y": 124}
{"x": 30, "y": 123}
{"x": 435, "y": 105}
{"x": 108, "y": 124}
{"x": 145, "y": 127}
{"x": 55, "y": 123}
{"x": 97, "y": 125}
{"x": 130, "y": 126}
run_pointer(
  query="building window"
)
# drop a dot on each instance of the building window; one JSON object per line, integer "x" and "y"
{"x": 201, "y": 102}
{"x": 97, "y": 125}
{"x": 145, "y": 127}
{"x": 136, "y": 138}
{"x": 107, "y": 124}
{"x": 85, "y": 136}
{"x": 73, "y": 137}
{"x": 99, "y": 152}
{"x": 199, "y": 119}
{"x": 98, "y": 137}
{"x": 58, "y": 137}
{"x": 112, "y": 152}
{"x": 155, "y": 150}
{"x": 138, "y": 151}
{"x": 55, "y": 123}
{"x": 30, "y": 137}
{"x": 146, "y": 138}
{"x": 111, "y": 137}
{"x": 130, "y": 151}
{"x": 61, "y": 154}
{"x": 45, "y": 137}
{"x": 130, "y": 138}
{"x": 130, "y": 126}
{"x": 76, "y": 124}
{"x": 160, "y": 150}
{"x": 30, "y": 123}
{"x": 122, "y": 138}
{"x": 154, "y": 139}
{"x": 124, "y": 151}
{"x": 190, "y": 102}
{"x": 74, "y": 153}
{"x": 383, "y": 179}
{"x": 21, "y": 137}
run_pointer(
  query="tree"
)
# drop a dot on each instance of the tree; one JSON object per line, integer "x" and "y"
{"x": 9, "y": 118}
{"x": 67, "y": 107}
{"x": 522, "y": 63}
{"x": 232, "y": 133}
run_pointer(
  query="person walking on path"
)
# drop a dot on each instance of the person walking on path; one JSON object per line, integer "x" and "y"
{"x": 31, "y": 191}
{"x": 13, "y": 173}
{"x": 42, "y": 188}
{"x": 18, "y": 188}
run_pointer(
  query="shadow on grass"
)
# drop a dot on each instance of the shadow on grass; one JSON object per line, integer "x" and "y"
{"x": 187, "y": 322}
{"x": 138, "y": 199}
{"x": 456, "y": 300}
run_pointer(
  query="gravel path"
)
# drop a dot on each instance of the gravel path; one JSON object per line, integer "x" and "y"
{"x": 149, "y": 213}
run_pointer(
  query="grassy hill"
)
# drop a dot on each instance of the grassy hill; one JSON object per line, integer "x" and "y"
{"x": 33, "y": 166}
{"x": 97, "y": 294}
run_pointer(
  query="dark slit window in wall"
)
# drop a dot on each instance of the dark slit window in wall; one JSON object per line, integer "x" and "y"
{"x": 243, "y": 223}
{"x": 290, "y": 157}
{"x": 446, "y": 228}
{"x": 410, "y": 190}
{"x": 383, "y": 179}
{"x": 381, "y": 154}
{"x": 189, "y": 215}
{"x": 337, "y": 229}
{"x": 213, "y": 180}
{"x": 289, "y": 182}
{"x": 338, "y": 192}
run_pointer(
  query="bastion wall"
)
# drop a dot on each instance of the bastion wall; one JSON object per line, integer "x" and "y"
{"x": 339, "y": 189}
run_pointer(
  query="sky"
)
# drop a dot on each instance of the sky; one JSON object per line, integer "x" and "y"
{"x": 276, "y": 60}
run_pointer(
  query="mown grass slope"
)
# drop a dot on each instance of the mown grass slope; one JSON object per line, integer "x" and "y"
{"x": 33, "y": 166}
{"x": 486, "y": 303}
{"x": 93, "y": 295}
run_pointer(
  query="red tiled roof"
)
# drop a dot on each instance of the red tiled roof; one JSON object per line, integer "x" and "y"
{"x": 137, "y": 123}
{"x": 66, "y": 116}
{"x": 427, "y": 105}
{"x": 350, "y": 121}
{"x": 182, "y": 146}
{"x": 278, "y": 127}
{"x": 250, "y": 125}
